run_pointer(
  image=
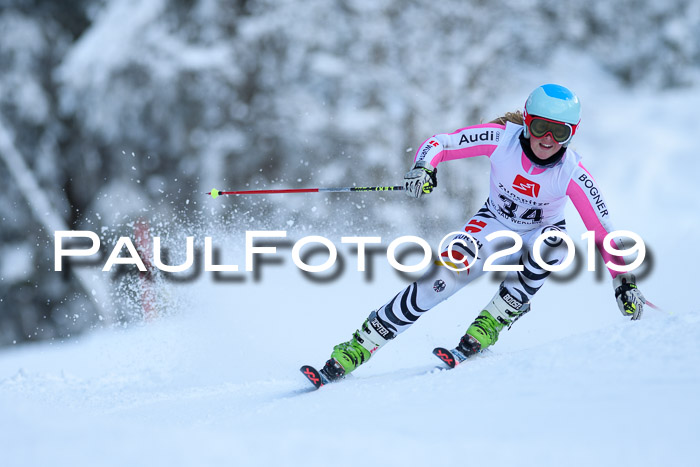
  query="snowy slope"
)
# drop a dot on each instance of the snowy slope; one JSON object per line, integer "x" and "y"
{"x": 217, "y": 386}
{"x": 572, "y": 383}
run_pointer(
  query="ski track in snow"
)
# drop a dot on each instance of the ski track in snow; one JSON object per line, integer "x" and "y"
{"x": 188, "y": 389}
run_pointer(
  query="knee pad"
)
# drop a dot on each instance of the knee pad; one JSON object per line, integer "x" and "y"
{"x": 439, "y": 283}
{"x": 553, "y": 248}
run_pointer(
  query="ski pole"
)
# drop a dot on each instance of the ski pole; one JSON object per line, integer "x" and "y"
{"x": 651, "y": 305}
{"x": 349, "y": 189}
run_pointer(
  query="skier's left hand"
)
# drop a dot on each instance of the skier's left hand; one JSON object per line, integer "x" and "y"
{"x": 629, "y": 299}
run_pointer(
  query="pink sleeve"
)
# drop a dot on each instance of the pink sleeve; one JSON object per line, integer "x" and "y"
{"x": 584, "y": 193}
{"x": 477, "y": 140}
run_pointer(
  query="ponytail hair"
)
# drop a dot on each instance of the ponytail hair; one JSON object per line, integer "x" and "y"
{"x": 512, "y": 117}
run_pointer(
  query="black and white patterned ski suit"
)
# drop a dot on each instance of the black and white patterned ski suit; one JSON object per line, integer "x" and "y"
{"x": 525, "y": 199}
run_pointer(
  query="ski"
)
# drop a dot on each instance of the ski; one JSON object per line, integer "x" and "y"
{"x": 451, "y": 358}
{"x": 314, "y": 376}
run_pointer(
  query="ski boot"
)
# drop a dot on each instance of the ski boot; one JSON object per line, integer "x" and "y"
{"x": 346, "y": 357}
{"x": 502, "y": 311}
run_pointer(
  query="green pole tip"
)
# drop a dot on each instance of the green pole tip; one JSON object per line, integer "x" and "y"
{"x": 215, "y": 193}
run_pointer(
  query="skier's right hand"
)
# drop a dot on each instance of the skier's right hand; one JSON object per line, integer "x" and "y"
{"x": 420, "y": 179}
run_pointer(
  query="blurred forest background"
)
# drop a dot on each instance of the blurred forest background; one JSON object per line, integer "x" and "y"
{"x": 124, "y": 110}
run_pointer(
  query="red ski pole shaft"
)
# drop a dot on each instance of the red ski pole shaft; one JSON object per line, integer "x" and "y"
{"x": 214, "y": 193}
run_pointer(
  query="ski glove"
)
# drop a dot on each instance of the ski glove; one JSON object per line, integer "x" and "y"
{"x": 629, "y": 299}
{"x": 420, "y": 180}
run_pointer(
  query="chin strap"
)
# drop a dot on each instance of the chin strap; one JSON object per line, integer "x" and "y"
{"x": 550, "y": 162}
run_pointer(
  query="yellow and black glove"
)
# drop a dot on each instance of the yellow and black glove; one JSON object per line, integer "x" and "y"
{"x": 629, "y": 299}
{"x": 421, "y": 179}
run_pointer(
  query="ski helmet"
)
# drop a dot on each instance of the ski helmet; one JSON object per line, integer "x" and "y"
{"x": 555, "y": 103}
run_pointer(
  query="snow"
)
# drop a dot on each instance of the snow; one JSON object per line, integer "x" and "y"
{"x": 17, "y": 261}
{"x": 217, "y": 385}
{"x": 573, "y": 383}
{"x": 216, "y": 380}
{"x": 84, "y": 62}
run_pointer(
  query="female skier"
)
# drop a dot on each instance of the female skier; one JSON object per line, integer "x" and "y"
{"x": 532, "y": 174}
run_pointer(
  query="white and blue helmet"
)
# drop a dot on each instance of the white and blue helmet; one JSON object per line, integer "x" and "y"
{"x": 553, "y": 102}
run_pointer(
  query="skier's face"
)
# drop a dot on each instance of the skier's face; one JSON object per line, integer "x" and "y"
{"x": 544, "y": 147}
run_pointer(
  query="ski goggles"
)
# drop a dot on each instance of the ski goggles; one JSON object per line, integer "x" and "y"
{"x": 562, "y": 132}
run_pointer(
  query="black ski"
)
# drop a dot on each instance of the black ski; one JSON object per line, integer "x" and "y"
{"x": 451, "y": 358}
{"x": 314, "y": 376}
